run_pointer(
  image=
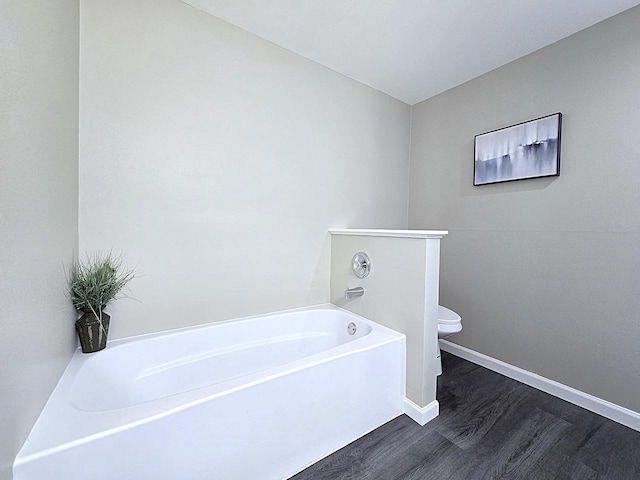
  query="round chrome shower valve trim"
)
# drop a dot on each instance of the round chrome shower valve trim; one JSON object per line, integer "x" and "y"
{"x": 361, "y": 264}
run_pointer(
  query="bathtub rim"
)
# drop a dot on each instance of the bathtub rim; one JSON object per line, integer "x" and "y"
{"x": 321, "y": 306}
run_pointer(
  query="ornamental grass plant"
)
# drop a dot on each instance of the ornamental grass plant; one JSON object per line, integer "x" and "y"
{"x": 96, "y": 281}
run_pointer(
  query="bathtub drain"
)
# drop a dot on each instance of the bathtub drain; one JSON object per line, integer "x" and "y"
{"x": 351, "y": 328}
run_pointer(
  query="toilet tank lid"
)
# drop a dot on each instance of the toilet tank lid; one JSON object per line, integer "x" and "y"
{"x": 447, "y": 316}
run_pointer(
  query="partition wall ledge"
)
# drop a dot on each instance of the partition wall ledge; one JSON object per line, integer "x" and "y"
{"x": 389, "y": 233}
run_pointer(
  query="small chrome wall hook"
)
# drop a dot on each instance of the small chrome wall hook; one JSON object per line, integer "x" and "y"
{"x": 361, "y": 264}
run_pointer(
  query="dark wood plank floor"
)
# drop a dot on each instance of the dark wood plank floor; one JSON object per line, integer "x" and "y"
{"x": 490, "y": 427}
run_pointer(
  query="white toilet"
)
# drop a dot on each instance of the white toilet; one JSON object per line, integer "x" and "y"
{"x": 449, "y": 322}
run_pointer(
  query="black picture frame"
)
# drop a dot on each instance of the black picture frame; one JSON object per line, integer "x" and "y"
{"x": 522, "y": 151}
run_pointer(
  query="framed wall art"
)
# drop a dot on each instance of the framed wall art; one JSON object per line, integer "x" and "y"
{"x": 526, "y": 150}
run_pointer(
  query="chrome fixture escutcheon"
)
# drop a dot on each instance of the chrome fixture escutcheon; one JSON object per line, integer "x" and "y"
{"x": 361, "y": 264}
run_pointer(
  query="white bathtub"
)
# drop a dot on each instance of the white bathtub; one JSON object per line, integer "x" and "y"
{"x": 255, "y": 398}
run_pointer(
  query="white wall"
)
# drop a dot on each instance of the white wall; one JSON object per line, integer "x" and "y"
{"x": 217, "y": 162}
{"x": 38, "y": 207}
{"x": 544, "y": 272}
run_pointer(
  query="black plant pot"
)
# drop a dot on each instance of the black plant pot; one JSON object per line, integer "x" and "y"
{"x": 92, "y": 333}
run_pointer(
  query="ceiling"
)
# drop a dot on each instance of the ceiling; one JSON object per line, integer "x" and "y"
{"x": 412, "y": 49}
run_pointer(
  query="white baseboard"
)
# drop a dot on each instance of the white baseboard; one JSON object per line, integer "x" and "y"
{"x": 597, "y": 405}
{"x": 421, "y": 415}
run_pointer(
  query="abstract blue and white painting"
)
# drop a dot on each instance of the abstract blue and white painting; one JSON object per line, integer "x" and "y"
{"x": 526, "y": 150}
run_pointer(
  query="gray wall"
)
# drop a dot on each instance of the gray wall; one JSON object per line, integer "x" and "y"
{"x": 544, "y": 272}
{"x": 217, "y": 162}
{"x": 395, "y": 296}
{"x": 38, "y": 207}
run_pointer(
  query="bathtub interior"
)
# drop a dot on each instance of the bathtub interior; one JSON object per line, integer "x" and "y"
{"x": 127, "y": 374}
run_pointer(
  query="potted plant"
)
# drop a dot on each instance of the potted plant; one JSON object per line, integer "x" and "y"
{"x": 92, "y": 285}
